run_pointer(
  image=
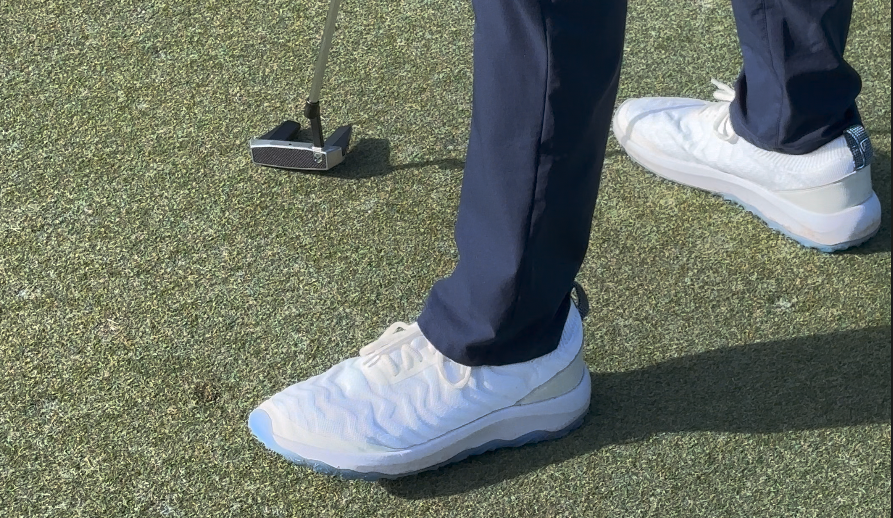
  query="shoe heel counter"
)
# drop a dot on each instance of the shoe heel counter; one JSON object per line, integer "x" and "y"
{"x": 850, "y": 191}
{"x": 559, "y": 384}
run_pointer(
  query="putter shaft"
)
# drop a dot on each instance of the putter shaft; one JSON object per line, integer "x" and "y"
{"x": 327, "y": 34}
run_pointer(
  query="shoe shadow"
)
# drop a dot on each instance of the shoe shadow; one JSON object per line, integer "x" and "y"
{"x": 369, "y": 158}
{"x": 880, "y": 180}
{"x": 825, "y": 381}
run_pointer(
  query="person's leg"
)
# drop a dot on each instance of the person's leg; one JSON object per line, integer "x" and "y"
{"x": 545, "y": 81}
{"x": 795, "y": 92}
{"x": 546, "y": 74}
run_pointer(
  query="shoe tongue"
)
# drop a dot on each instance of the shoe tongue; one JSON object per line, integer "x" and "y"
{"x": 722, "y": 125}
{"x": 725, "y": 125}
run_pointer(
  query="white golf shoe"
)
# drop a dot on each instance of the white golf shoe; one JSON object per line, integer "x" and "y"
{"x": 822, "y": 199}
{"x": 402, "y": 407}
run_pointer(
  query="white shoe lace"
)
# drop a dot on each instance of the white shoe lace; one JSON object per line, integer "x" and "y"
{"x": 722, "y": 124}
{"x": 392, "y": 338}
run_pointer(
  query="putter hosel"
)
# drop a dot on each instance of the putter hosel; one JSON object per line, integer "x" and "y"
{"x": 311, "y": 111}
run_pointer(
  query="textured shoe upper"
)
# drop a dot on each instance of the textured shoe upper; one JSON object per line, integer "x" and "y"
{"x": 691, "y": 129}
{"x": 402, "y": 392}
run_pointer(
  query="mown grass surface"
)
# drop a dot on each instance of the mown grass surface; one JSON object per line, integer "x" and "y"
{"x": 155, "y": 286}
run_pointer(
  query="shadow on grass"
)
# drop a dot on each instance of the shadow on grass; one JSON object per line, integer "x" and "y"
{"x": 369, "y": 158}
{"x": 826, "y": 381}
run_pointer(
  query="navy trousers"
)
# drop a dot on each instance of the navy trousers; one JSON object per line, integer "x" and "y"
{"x": 546, "y": 74}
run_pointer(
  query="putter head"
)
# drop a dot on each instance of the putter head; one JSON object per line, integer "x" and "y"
{"x": 277, "y": 149}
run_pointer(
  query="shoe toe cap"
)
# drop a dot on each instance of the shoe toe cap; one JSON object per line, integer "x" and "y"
{"x": 261, "y": 425}
{"x": 632, "y": 113}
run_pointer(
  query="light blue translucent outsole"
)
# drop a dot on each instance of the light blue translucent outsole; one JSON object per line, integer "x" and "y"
{"x": 800, "y": 239}
{"x": 262, "y": 427}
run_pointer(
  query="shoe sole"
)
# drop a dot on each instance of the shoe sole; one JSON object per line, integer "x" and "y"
{"x": 824, "y": 232}
{"x": 510, "y": 427}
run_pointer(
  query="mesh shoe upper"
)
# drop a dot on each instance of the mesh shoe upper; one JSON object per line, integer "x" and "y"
{"x": 691, "y": 129}
{"x": 401, "y": 392}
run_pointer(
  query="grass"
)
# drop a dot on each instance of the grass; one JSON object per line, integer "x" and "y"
{"x": 155, "y": 286}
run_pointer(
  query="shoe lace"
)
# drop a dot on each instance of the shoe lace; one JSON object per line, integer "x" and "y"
{"x": 722, "y": 124}
{"x": 410, "y": 341}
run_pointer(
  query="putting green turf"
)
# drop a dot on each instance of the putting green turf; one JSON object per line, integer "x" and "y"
{"x": 155, "y": 286}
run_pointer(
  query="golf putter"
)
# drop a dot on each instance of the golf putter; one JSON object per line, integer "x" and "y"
{"x": 278, "y": 147}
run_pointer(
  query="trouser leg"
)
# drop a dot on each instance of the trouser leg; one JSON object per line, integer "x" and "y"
{"x": 795, "y": 92}
{"x": 545, "y": 81}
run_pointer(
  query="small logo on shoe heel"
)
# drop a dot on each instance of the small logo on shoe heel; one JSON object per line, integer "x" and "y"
{"x": 859, "y": 143}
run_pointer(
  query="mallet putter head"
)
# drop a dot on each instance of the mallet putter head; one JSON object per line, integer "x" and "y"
{"x": 277, "y": 148}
